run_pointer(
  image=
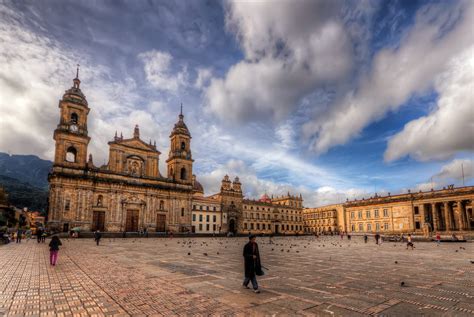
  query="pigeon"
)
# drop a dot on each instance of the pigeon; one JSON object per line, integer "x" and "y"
{"x": 217, "y": 252}
{"x": 396, "y": 262}
{"x": 205, "y": 254}
{"x": 402, "y": 283}
{"x": 189, "y": 253}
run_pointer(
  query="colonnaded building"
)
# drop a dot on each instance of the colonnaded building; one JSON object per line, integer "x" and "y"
{"x": 449, "y": 210}
{"x": 129, "y": 193}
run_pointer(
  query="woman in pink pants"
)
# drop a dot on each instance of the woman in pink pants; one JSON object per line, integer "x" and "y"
{"x": 54, "y": 250}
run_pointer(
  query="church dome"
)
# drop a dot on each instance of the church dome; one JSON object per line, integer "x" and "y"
{"x": 264, "y": 198}
{"x": 197, "y": 187}
{"x": 180, "y": 127}
{"x": 74, "y": 94}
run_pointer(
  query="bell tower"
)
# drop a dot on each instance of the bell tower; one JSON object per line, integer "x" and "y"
{"x": 180, "y": 161}
{"x": 71, "y": 133}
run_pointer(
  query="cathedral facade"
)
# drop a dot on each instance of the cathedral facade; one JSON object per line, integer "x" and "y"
{"x": 128, "y": 193}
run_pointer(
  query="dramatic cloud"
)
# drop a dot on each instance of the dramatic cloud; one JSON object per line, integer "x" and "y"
{"x": 203, "y": 77}
{"x": 159, "y": 71}
{"x": 284, "y": 59}
{"x": 397, "y": 73}
{"x": 35, "y": 71}
{"x": 450, "y": 127}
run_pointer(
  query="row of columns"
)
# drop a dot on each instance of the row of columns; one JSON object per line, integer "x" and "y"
{"x": 448, "y": 218}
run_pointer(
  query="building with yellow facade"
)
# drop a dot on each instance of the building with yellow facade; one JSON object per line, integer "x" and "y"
{"x": 448, "y": 210}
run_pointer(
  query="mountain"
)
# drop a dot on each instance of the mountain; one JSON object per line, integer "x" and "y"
{"x": 25, "y": 179}
{"x": 26, "y": 168}
{"x": 22, "y": 194}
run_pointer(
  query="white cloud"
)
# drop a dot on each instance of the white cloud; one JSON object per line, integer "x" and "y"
{"x": 253, "y": 187}
{"x": 454, "y": 170}
{"x": 204, "y": 75}
{"x": 440, "y": 31}
{"x": 160, "y": 73}
{"x": 450, "y": 127}
{"x": 34, "y": 74}
{"x": 284, "y": 60}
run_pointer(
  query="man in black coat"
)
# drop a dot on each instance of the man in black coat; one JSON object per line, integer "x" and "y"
{"x": 253, "y": 266}
{"x": 97, "y": 236}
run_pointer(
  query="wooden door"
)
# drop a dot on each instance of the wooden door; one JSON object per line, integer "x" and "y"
{"x": 98, "y": 221}
{"x": 131, "y": 224}
{"x": 160, "y": 223}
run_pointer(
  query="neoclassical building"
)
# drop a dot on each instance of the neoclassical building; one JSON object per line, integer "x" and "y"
{"x": 448, "y": 210}
{"x": 128, "y": 193}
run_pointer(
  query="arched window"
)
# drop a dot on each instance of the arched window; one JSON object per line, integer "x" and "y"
{"x": 183, "y": 145}
{"x": 99, "y": 200}
{"x": 71, "y": 154}
{"x": 183, "y": 173}
{"x": 74, "y": 117}
{"x": 162, "y": 205}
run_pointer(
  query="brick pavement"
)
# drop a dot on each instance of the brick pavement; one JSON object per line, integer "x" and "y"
{"x": 306, "y": 276}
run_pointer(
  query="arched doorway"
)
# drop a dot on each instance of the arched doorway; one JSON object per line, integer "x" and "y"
{"x": 232, "y": 225}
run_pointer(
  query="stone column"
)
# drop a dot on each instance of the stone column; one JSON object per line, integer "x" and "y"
{"x": 435, "y": 216}
{"x": 458, "y": 216}
{"x": 447, "y": 218}
{"x": 422, "y": 215}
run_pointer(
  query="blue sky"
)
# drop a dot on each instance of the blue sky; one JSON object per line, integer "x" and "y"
{"x": 331, "y": 99}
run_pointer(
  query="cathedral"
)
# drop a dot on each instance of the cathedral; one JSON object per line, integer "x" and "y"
{"x": 128, "y": 193}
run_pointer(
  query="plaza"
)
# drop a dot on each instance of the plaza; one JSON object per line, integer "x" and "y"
{"x": 203, "y": 276}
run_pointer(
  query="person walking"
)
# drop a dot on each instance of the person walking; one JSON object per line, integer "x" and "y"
{"x": 97, "y": 236}
{"x": 54, "y": 250}
{"x": 438, "y": 238}
{"x": 253, "y": 266}
{"x": 43, "y": 236}
{"x": 19, "y": 232}
{"x": 39, "y": 232}
{"x": 377, "y": 237}
{"x": 410, "y": 242}
{"x": 365, "y": 238}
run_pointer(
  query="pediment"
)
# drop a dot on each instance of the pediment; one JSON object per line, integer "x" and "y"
{"x": 137, "y": 144}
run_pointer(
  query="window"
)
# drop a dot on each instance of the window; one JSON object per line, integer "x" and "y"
{"x": 182, "y": 212}
{"x": 385, "y": 226}
{"x": 376, "y": 213}
{"x": 207, "y": 218}
{"x": 385, "y": 212}
{"x": 353, "y": 228}
{"x": 251, "y": 226}
{"x": 183, "y": 145}
{"x": 74, "y": 117}
{"x": 417, "y": 211}
{"x": 245, "y": 225}
{"x": 200, "y": 227}
{"x": 214, "y": 227}
{"x": 263, "y": 226}
{"x": 183, "y": 173}
{"x": 258, "y": 226}
{"x": 367, "y": 214}
{"x": 162, "y": 205}
{"x": 360, "y": 215}
{"x": 214, "y": 218}
{"x": 67, "y": 205}
{"x": 352, "y": 215}
{"x": 200, "y": 217}
{"x": 377, "y": 226}
{"x": 71, "y": 154}
{"x": 369, "y": 227}
{"x": 207, "y": 208}
{"x": 417, "y": 225}
{"x": 214, "y": 208}
{"x": 258, "y": 216}
{"x": 207, "y": 227}
{"x": 99, "y": 200}
{"x": 194, "y": 217}
{"x": 194, "y": 207}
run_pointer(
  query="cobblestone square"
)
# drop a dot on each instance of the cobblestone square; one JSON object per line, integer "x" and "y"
{"x": 203, "y": 276}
